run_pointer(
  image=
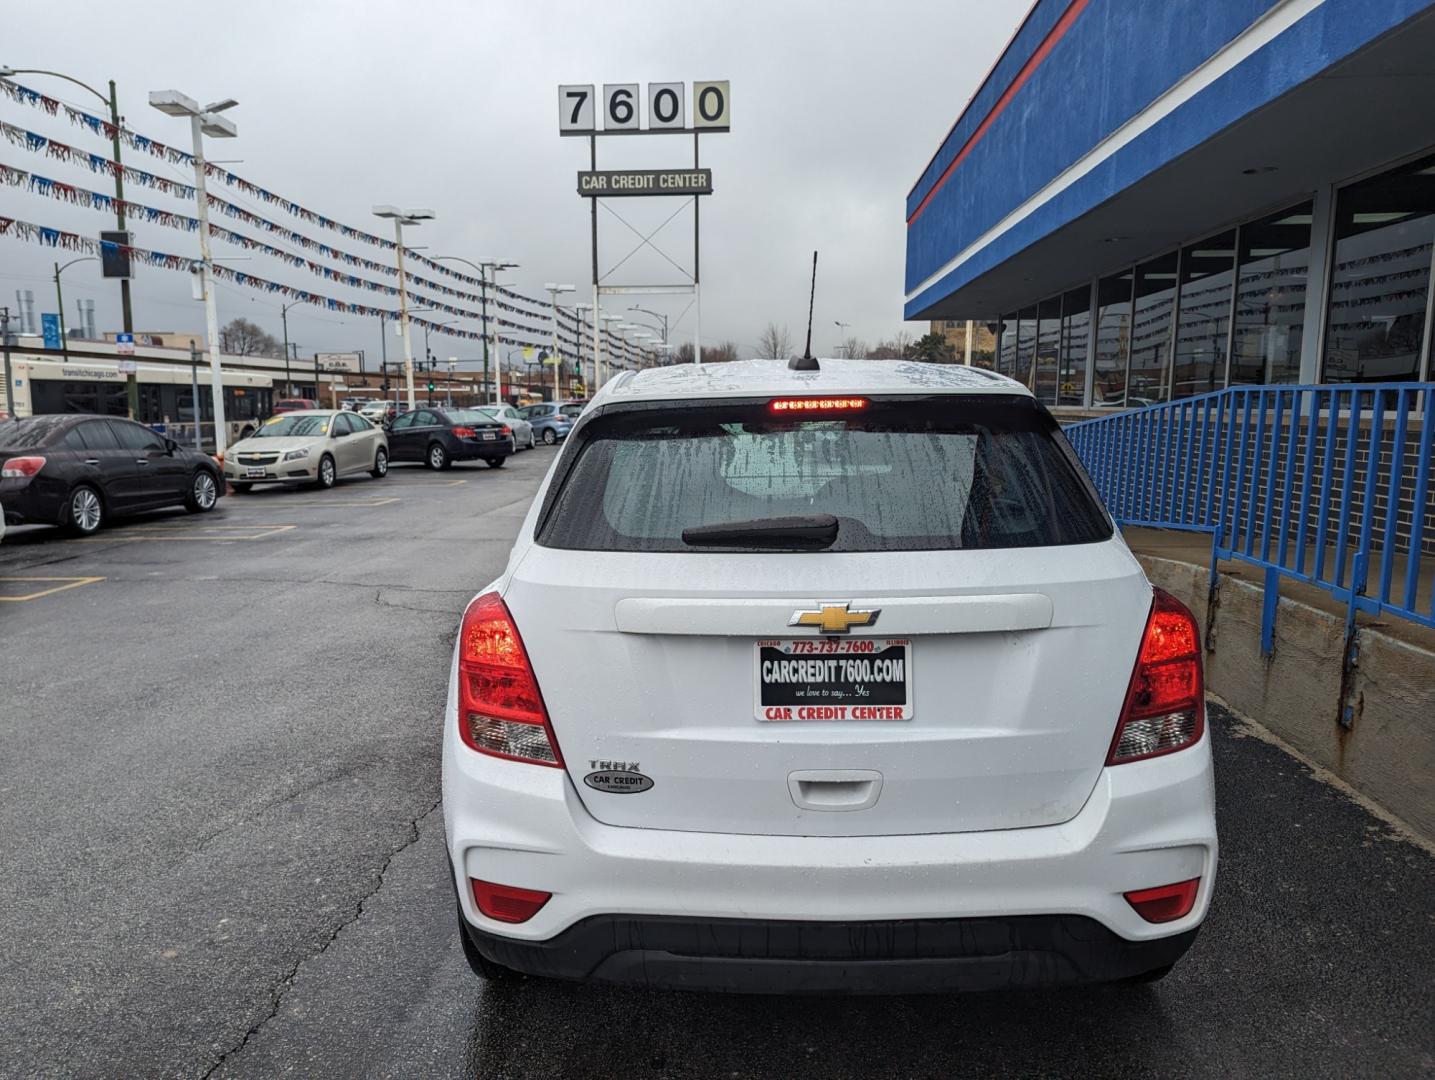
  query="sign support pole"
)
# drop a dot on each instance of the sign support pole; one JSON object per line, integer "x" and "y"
{"x": 597, "y": 313}
{"x": 697, "y": 274}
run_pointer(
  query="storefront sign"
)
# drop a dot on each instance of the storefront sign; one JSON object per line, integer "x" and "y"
{"x": 646, "y": 182}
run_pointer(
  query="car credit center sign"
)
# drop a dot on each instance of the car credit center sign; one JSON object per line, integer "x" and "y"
{"x": 646, "y": 182}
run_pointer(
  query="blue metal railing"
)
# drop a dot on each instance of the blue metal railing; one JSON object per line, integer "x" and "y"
{"x": 1327, "y": 485}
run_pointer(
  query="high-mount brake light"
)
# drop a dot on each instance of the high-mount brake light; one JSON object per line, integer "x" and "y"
{"x": 500, "y": 708}
{"x": 817, "y": 404}
{"x": 22, "y": 467}
{"x": 1165, "y": 707}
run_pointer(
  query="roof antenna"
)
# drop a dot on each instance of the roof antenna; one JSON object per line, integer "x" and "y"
{"x": 806, "y": 362}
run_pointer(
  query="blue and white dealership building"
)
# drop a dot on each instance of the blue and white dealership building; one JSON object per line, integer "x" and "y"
{"x": 1153, "y": 199}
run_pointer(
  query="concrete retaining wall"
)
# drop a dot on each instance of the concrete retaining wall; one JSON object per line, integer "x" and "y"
{"x": 1388, "y": 752}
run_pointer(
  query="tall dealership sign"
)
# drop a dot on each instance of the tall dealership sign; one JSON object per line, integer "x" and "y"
{"x": 623, "y": 113}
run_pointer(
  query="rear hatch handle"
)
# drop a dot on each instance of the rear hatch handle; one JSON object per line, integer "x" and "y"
{"x": 836, "y": 790}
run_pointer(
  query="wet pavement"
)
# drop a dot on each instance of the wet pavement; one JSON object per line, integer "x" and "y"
{"x": 222, "y": 854}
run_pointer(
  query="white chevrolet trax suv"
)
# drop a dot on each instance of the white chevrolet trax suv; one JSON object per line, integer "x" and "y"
{"x": 832, "y": 680}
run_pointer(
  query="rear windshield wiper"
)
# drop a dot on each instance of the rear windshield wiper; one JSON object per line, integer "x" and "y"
{"x": 809, "y": 532}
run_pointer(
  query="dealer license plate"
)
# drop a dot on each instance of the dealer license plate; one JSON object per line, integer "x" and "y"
{"x": 256, "y": 472}
{"x": 834, "y": 679}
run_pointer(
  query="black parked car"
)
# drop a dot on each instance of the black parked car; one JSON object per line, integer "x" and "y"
{"x": 77, "y": 471}
{"x": 439, "y": 437}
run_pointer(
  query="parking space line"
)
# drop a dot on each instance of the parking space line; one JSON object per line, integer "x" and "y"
{"x": 69, "y": 583}
{"x": 454, "y": 483}
{"x": 377, "y": 501}
{"x": 191, "y": 533}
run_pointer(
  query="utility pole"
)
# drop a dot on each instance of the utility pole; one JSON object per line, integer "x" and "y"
{"x": 968, "y": 360}
{"x": 60, "y": 302}
{"x": 5, "y": 350}
{"x": 127, "y": 315}
{"x": 194, "y": 390}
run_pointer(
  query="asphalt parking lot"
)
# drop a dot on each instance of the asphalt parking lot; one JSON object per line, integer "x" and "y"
{"x": 223, "y": 856}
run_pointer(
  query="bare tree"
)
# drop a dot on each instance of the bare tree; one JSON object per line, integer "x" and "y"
{"x": 240, "y": 337}
{"x": 712, "y": 354}
{"x": 854, "y": 348}
{"x": 775, "y": 342}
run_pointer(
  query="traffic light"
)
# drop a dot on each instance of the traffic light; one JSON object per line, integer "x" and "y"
{"x": 430, "y": 386}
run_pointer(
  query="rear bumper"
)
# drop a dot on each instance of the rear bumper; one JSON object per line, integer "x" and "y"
{"x": 26, "y": 503}
{"x": 782, "y": 957}
{"x": 1145, "y": 824}
{"x": 475, "y": 450}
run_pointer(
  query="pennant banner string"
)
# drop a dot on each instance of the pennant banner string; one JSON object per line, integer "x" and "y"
{"x": 143, "y": 143}
{"x": 68, "y": 241}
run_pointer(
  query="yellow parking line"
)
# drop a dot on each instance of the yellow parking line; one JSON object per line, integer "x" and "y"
{"x": 454, "y": 483}
{"x": 70, "y": 583}
{"x": 191, "y": 533}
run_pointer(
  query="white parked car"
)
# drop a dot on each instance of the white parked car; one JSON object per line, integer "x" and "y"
{"x": 318, "y": 446}
{"x": 834, "y": 680}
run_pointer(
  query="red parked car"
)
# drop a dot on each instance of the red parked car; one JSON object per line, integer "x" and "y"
{"x": 294, "y": 404}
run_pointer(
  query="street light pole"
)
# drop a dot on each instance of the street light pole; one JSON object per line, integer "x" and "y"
{"x": 132, "y": 392}
{"x": 400, "y": 219}
{"x": 202, "y": 122}
{"x": 284, "y": 318}
{"x": 484, "y": 267}
{"x": 553, "y": 291}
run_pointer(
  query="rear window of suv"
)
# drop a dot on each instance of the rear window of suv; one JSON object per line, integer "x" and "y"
{"x": 898, "y": 474}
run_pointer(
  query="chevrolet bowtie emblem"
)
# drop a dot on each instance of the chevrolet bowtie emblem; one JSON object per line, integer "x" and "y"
{"x": 834, "y": 618}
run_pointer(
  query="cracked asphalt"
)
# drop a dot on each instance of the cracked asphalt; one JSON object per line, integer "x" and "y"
{"x": 220, "y": 853}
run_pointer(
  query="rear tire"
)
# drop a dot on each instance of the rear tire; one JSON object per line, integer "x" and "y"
{"x": 327, "y": 472}
{"x": 203, "y": 493}
{"x": 437, "y": 457}
{"x": 381, "y": 464}
{"x": 84, "y": 511}
{"x": 482, "y": 966}
{"x": 549, "y": 436}
{"x": 495, "y": 462}
{"x": 532, "y": 443}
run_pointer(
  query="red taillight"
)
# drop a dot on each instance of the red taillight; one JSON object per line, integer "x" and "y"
{"x": 1166, "y": 903}
{"x": 500, "y": 709}
{"x": 822, "y": 404}
{"x": 464, "y": 432}
{"x": 22, "y": 467}
{"x": 507, "y": 903}
{"x": 1165, "y": 704}
{"x": 505, "y": 430}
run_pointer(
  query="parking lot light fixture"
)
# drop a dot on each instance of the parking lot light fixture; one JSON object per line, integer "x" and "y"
{"x": 401, "y": 218}
{"x": 202, "y": 122}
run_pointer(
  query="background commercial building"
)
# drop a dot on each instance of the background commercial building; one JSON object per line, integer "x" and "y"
{"x": 1153, "y": 200}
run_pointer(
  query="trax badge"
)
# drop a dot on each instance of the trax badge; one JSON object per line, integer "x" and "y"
{"x": 834, "y": 618}
{"x": 618, "y": 777}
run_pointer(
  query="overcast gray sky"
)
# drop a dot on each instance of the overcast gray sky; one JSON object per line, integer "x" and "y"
{"x": 836, "y": 108}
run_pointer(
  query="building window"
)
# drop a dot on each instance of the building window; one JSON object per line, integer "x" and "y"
{"x": 1149, "y": 380}
{"x": 1075, "y": 321}
{"x": 1113, "y": 339}
{"x": 1048, "y": 349}
{"x": 1204, "y": 323}
{"x": 1379, "y": 286}
{"x": 1025, "y": 346}
{"x": 1006, "y": 354}
{"x": 1270, "y": 297}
